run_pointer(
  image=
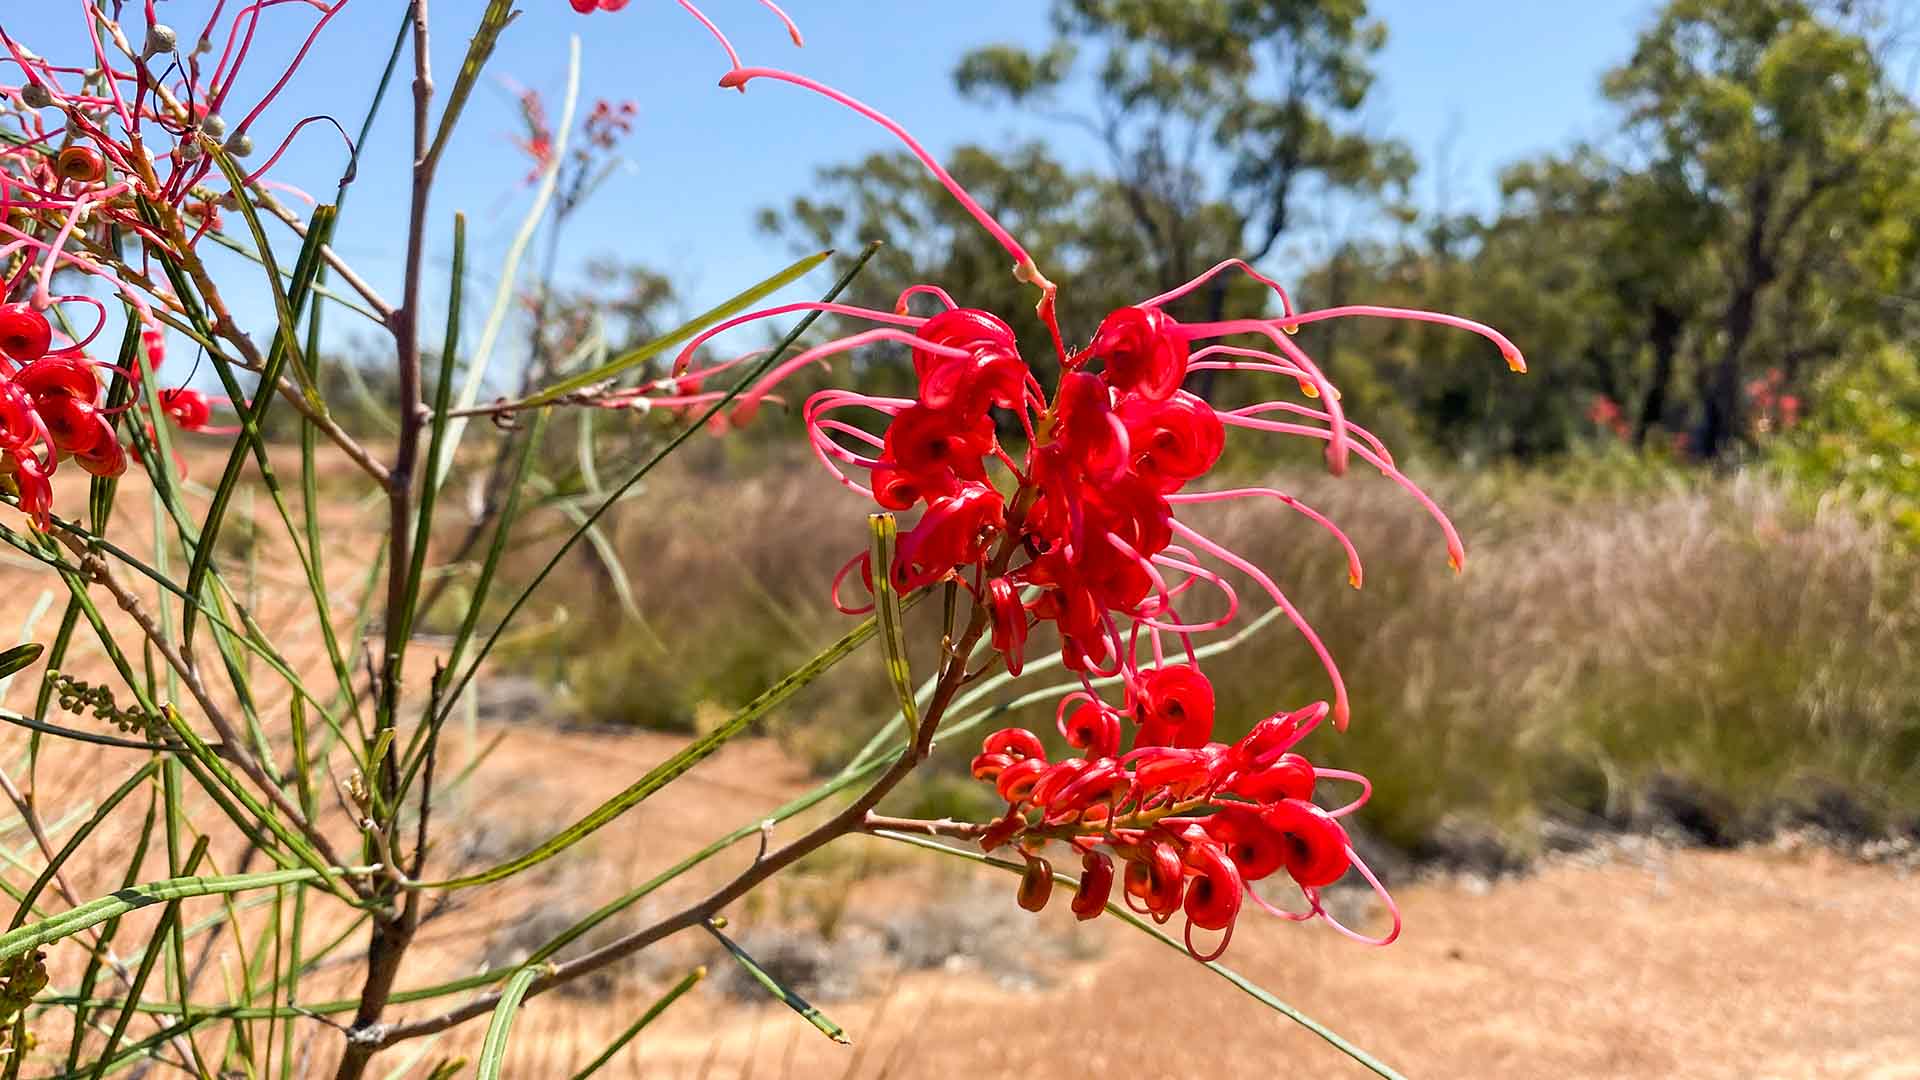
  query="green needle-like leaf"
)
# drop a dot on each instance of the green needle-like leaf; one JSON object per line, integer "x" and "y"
{"x": 808, "y": 1011}
{"x": 19, "y": 658}
{"x": 641, "y": 353}
{"x": 118, "y": 903}
{"x": 493, "y": 1051}
{"x": 886, "y": 608}
{"x": 686, "y": 983}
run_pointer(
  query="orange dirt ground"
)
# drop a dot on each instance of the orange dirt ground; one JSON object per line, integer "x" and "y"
{"x": 1664, "y": 963}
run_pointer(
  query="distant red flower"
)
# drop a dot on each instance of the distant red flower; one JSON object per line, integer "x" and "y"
{"x": 1606, "y": 413}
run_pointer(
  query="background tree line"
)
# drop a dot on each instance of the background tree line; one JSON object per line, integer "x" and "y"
{"x": 1733, "y": 262}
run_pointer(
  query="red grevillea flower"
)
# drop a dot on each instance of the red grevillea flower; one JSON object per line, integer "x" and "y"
{"x": 1074, "y": 523}
{"x": 50, "y": 411}
{"x": 1197, "y": 827}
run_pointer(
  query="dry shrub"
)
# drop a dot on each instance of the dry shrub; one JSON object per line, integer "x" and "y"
{"x": 1600, "y": 638}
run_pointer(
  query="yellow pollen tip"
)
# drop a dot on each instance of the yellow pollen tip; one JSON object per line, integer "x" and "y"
{"x": 1309, "y": 389}
{"x": 1353, "y": 580}
{"x": 1290, "y": 329}
{"x": 1457, "y": 563}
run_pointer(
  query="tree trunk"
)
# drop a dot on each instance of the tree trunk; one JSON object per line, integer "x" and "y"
{"x": 1720, "y": 411}
{"x": 1663, "y": 333}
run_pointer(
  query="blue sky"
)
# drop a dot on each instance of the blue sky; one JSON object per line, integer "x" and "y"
{"x": 1473, "y": 83}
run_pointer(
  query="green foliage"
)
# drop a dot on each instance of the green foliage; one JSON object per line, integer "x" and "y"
{"x": 1755, "y": 217}
{"x": 1863, "y": 439}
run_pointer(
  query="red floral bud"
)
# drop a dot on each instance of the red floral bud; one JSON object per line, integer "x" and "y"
{"x": 921, "y": 440}
{"x": 1171, "y": 771}
{"x": 1144, "y": 351}
{"x": 1016, "y": 743}
{"x": 1255, "y": 848}
{"x": 18, "y": 426}
{"x": 1291, "y": 777}
{"x": 82, "y": 164}
{"x": 1314, "y": 844}
{"x": 1094, "y": 728}
{"x": 1213, "y": 897}
{"x": 1174, "y": 706}
{"x": 895, "y": 489}
{"x": 1009, "y": 623}
{"x": 1102, "y": 781}
{"x": 1165, "y": 875}
{"x": 1096, "y": 884}
{"x": 188, "y": 407}
{"x": 36, "y": 493}
{"x": 154, "y": 341}
{"x": 1036, "y": 883}
{"x": 1172, "y": 441}
{"x": 107, "y": 458}
{"x": 1056, "y": 778}
{"x": 24, "y": 333}
{"x": 62, "y": 373}
{"x": 1017, "y": 780}
{"x": 72, "y": 423}
{"x": 990, "y": 766}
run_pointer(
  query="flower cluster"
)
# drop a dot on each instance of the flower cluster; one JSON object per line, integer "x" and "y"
{"x": 1078, "y": 532}
{"x": 605, "y": 127}
{"x": 114, "y": 153}
{"x": 1195, "y": 824}
{"x": 135, "y": 125}
{"x": 1774, "y": 408}
{"x": 50, "y": 410}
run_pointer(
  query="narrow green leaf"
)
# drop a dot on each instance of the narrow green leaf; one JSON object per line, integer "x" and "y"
{"x": 284, "y": 307}
{"x": 493, "y": 1050}
{"x": 808, "y": 1012}
{"x": 19, "y": 658}
{"x": 96, "y": 959}
{"x": 137, "y": 1051}
{"x": 436, "y": 440}
{"x": 75, "y": 734}
{"x": 492, "y": 23}
{"x": 115, "y": 904}
{"x": 483, "y": 585}
{"x": 167, "y": 919}
{"x": 253, "y": 413}
{"x": 886, "y": 608}
{"x": 686, "y": 983}
{"x": 641, "y": 353}
{"x": 217, "y": 775}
